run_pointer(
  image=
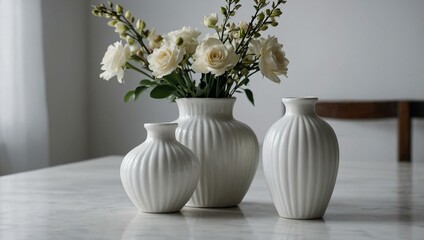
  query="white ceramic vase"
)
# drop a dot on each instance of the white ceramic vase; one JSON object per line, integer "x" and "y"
{"x": 160, "y": 174}
{"x": 300, "y": 159}
{"x": 227, "y": 149}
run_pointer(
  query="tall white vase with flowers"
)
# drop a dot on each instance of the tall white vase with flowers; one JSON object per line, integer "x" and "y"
{"x": 202, "y": 76}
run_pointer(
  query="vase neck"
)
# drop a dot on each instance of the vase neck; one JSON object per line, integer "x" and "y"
{"x": 161, "y": 131}
{"x": 300, "y": 106}
{"x": 206, "y": 107}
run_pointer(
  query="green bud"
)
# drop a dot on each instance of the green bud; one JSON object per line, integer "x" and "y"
{"x": 112, "y": 23}
{"x": 140, "y": 53}
{"x": 244, "y": 72}
{"x": 119, "y": 9}
{"x": 223, "y": 11}
{"x": 95, "y": 12}
{"x": 242, "y": 33}
{"x": 158, "y": 38}
{"x": 132, "y": 19}
{"x": 123, "y": 36}
{"x": 140, "y": 25}
{"x": 264, "y": 27}
{"x": 180, "y": 41}
{"x": 130, "y": 40}
{"x": 268, "y": 12}
{"x": 256, "y": 35}
{"x": 262, "y": 1}
{"x": 274, "y": 24}
{"x": 107, "y": 15}
{"x": 120, "y": 27}
{"x": 261, "y": 16}
{"x": 276, "y": 13}
{"x": 128, "y": 14}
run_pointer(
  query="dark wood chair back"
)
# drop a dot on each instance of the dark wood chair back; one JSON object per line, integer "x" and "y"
{"x": 404, "y": 110}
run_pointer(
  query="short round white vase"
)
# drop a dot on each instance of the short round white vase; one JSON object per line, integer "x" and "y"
{"x": 160, "y": 174}
{"x": 227, "y": 149}
{"x": 300, "y": 159}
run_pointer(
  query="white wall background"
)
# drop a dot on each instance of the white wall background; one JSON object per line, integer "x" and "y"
{"x": 357, "y": 49}
{"x": 65, "y": 50}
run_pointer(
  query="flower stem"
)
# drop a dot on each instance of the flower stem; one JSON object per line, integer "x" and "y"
{"x": 130, "y": 66}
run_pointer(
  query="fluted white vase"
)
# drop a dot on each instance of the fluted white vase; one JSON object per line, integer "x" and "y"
{"x": 160, "y": 174}
{"x": 227, "y": 149}
{"x": 300, "y": 160}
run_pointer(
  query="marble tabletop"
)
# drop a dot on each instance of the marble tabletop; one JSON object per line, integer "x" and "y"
{"x": 85, "y": 200}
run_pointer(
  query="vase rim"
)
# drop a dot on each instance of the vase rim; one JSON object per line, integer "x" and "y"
{"x": 160, "y": 124}
{"x": 297, "y": 99}
{"x": 206, "y": 99}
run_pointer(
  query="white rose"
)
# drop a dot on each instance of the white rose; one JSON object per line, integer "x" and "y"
{"x": 189, "y": 37}
{"x": 272, "y": 59}
{"x": 165, "y": 60}
{"x": 211, "y": 20}
{"x": 114, "y": 61}
{"x": 213, "y": 56}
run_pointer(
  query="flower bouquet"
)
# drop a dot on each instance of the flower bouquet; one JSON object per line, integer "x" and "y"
{"x": 179, "y": 65}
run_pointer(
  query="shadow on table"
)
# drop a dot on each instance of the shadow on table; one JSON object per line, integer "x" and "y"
{"x": 260, "y": 210}
{"x": 213, "y": 213}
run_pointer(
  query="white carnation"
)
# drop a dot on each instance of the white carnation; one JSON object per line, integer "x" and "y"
{"x": 165, "y": 60}
{"x": 272, "y": 59}
{"x": 114, "y": 61}
{"x": 213, "y": 56}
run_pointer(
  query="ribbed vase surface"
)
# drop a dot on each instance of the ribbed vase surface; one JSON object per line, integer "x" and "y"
{"x": 160, "y": 174}
{"x": 300, "y": 159}
{"x": 227, "y": 149}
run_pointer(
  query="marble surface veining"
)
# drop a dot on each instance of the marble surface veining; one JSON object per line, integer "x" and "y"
{"x": 371, "y": 200}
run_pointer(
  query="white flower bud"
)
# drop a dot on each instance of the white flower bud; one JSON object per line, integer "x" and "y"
{"x": 112, "y": 23}
{"x": 243, "y": 26}
{"x": 119, "y": 9}
{"x": 140, "y": 25}
{"x": 211, "y": 20}
{"x": 128, "y": 14}
{"x": 120, "y": 28}
{"x": 130, "y": 40}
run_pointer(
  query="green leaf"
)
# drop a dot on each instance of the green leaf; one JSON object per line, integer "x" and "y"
{"x": 138, "y": 91}
{"x": 128, "y": 96}
{"x": 147, "y": 82}
{"x": 162, "y": 91}
{"x": 249, "y": 95}
{"x": 172, "y": 78}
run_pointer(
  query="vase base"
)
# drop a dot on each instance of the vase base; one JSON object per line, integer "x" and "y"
{"x": 159, "y": 212}
{"x": 206, "y": 206}
{"x": 303, "y": 218}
